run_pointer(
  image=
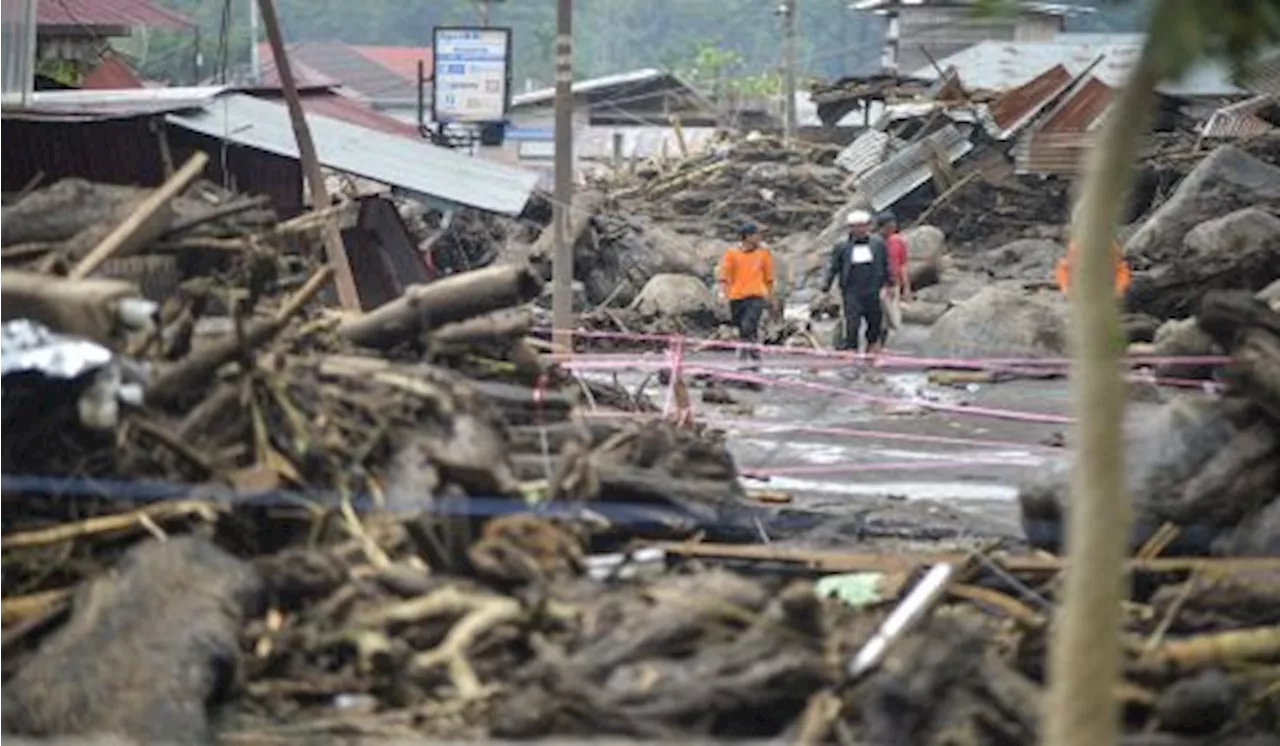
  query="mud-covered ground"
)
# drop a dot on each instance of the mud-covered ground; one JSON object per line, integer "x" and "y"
{"x": 901, "y": 457}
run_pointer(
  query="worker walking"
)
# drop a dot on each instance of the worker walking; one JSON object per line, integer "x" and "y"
{"x": 860, "y": 265}
{"x": 899, "y": 288}
{"x": 1062, "y": 272}
{"x": 746, "y": 279}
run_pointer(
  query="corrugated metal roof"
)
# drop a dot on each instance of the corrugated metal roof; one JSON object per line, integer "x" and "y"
{"x": 1060, "y": 153}
{"x": 1053, "y": 9}
{"x": 864, "y": 153}
{"x": 594, "y": 85}
{"x": 1080, "y": 110}
{"x": 909, "y": 168}
{"x": 126, "y": 13}
{"x": 1240, "y": 119}
{"x": 330, "y": 104}
{"x": 410, "y": 166}
{"x": 109, "y": 104}
{"x": 1014, "y": 109}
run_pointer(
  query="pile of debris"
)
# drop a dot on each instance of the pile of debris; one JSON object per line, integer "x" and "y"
{"x": 783, "y": 188}
{"x": 233, "y": 512}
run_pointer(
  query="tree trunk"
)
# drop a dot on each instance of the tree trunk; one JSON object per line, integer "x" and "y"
{"x": 452, "y": 299}
{"x": 1084, "y": 662}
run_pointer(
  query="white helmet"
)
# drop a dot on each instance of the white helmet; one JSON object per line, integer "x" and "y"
{"x": 858, "y": 217}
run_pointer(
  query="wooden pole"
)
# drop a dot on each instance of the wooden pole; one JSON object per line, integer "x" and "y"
{"x": 562, "y": 265}
{"x": 336, "y": 255}
{"x": 141, "y": 225}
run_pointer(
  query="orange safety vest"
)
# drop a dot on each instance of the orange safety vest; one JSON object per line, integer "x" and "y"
{"x": 1062, "y": 272}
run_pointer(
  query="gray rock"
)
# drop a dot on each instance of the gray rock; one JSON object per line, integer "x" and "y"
{"x": 1215, "y": 232}
{"x": 677, "y": 295}
{"x": 925, "y": 243}
{"x": 1271, "y": 295}
{"x": 1228, "y": 179}
{"x": 1256, "y": 536}
{"x": 1003, "y": 320}
{"x": 953, "y": 287}
{"x": 1175, "y": 467}
{"x": 1183, "y": 338}
{"x": 1026, "y": 259}
{"x": 923, "y": 312}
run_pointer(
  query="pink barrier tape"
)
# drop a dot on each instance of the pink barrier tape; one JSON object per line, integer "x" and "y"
{"x": 861, "y": 396}
{"x": 783, "y": 471}
{"x": 886, "y": 358}
{"x": 850, "y": 432}
{"x": 1006, "y": 414}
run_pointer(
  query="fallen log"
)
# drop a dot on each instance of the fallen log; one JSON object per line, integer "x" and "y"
{"x": 452, "y": 299}
{"x": 583, "y": 208}
{"x": 146, "y": 223}
{"x": 499, "y": 325}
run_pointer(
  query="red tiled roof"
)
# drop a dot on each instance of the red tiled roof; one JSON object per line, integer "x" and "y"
{"x": 304, "y": 76}
{"x": 113, "y": 73}
{"x": 337, "y": 106}
{"x": 128, "y": 13}
{"x": 356, "y": 69}
{"x": 402, "y": 61}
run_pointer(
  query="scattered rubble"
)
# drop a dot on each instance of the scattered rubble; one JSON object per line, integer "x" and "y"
{"x": 782, "y": 189}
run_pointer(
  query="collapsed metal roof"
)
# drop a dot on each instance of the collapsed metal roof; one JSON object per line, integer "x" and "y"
{"x": 910, "y": 167}
{"x": 417, "y": 168}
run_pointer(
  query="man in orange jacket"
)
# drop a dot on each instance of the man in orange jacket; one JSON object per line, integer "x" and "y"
{"x": 1062, "y": 272}
{"x": 746, "y": 279}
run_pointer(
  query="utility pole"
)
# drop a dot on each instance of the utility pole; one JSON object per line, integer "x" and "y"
{"x": 255, "y": 64}
{"x": 333, "y": 249}
{"x": 486, "y": 11}
{"x": 788, "y": 12}
{"x": 562, "y": 265}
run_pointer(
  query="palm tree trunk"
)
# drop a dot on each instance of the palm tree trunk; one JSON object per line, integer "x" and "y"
{"x": 1084, "y": 662}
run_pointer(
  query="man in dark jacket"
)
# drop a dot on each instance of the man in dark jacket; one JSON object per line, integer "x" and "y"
{"x": 861, "y": 266}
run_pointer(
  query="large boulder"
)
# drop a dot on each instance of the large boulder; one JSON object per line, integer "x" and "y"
{"x": 1188, "y": 464}
{"x": 683, "y": 296}
{"x": 953, "y": 287}
{"x": 1214, "y": 232}
{"x": 1227, "y": 180}
{"x": 925, "y": 243}
{"x": 1025, "y": 259}
{"x": 625, "y": 253}
{"x": 1237, "y": 251}
{"x": 1003, "y": 320}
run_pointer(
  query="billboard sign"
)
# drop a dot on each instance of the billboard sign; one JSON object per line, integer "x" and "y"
{"x": 472, "y": 69}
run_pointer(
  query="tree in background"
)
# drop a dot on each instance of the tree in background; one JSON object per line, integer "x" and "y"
{"x": 1084, "y": 662}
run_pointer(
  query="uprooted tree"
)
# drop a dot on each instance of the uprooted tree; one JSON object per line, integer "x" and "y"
{"x": 1084, "y": 664}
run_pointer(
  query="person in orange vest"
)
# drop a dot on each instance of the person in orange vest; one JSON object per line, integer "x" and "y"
{"x": 746, "y": 279}
{"x": 1062, "y": 272}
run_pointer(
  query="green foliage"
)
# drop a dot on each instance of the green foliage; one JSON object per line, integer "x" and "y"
{"x": 66, "y": 72}
{"x": 1231, "y": 30}
{"x": 609, "y": 35}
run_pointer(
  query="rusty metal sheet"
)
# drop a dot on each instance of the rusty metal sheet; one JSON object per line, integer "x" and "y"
{"x": 1015, "y": 108}
{"x": 1080, "y": 109}
{"x": 1059, "y": 153}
